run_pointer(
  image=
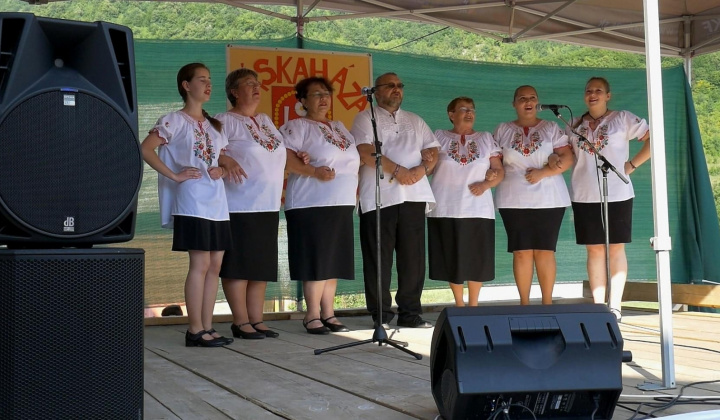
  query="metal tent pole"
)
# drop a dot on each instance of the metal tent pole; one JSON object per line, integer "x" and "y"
{"x": 661, "y": 241}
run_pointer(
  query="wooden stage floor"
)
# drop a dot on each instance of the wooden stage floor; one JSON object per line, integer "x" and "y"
{"x": 283, "y": 379}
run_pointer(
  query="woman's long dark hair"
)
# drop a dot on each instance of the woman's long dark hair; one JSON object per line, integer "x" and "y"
{"x": 185, "y": 74}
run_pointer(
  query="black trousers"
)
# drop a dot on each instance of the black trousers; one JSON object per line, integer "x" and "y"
{"x": 402, "y": 230}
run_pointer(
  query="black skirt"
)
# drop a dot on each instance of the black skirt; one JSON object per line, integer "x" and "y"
{"x": 532, "y": 228}
{"x": 321, "y": 243}
{"x": 254, "y": 255}
{"x": 589, "y": 222}
{"x": 197, "y": 234}
{"x": 461, "y": 249}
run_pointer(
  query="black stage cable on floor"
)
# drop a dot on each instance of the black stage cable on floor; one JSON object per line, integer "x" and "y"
{"x": 630, "y": 409}
{"x": 669, "y": 404}
{"x": 505, "y": 410}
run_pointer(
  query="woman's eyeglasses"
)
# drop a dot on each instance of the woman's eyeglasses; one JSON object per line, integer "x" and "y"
{"x": 465, "y": 110}
{"x": 250, "y": 83}
{"x": 319, "y": 95}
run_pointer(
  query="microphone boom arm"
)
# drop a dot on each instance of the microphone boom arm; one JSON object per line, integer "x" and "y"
{"x": 606, "y": 163}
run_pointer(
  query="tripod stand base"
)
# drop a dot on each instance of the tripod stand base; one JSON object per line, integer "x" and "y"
{"x": 380, "y": 337}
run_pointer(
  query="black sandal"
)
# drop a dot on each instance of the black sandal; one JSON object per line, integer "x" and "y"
{"x": 196, "y": 340}
{"x": 212, "y": 331}
{"x": 334, "y": 327}
{"x": 238, "y": 333}
{"x": 316, "y": 330}
{"x": 268, "y": 333}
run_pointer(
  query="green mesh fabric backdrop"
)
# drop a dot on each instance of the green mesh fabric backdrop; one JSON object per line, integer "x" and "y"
{"x": 431, "y": 84}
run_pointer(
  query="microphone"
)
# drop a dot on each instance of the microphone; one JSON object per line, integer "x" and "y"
{"x": 551, "y": 107}
{"x": 368, "y": 90}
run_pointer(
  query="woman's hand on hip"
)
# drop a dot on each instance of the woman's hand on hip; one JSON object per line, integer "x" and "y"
{"x": 187, "y": 173}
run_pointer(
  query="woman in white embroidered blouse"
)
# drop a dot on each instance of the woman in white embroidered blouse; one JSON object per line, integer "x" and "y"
{"x": 533, "y": 196}
{"x": 461, "y": 227}
{"x": 256, "y": 159}
{"x": 192, "y": 196}
{"x": 610, "y": 133}
{"x": 319, "y": 204}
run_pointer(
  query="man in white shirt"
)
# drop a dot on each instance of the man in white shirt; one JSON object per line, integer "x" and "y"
{"x": 409, "y": 151}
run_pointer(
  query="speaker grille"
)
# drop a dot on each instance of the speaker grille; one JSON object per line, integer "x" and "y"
{"x": 72, "y": 340}
{"x": 68, "y": 170}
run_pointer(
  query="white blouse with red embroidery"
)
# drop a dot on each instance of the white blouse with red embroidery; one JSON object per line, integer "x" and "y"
{"x": 257, "y": 146}
{"x": 328, "y": 144}
{"x": 520, "y": 151}
{"x": 458, "y": 166}
{"x": 189, "y": 143}
{"x": 611, "y": 138}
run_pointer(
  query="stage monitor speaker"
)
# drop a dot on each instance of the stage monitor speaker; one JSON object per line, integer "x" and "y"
{"x": 71, "y": 333}
{"x": 72, "y": 165}
{"x": 555, "y": 362}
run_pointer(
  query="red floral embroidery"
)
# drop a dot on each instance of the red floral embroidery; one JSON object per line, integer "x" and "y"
{"x": 272, "y": 142}
{"x": 519, "y": 145}
{"x": 203, "y": 147}
{"x": 463, "y": 159}
{"x": 342, "y": 143}
{"x": 600, "y": 142}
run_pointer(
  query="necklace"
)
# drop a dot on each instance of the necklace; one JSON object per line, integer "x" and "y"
{"x": 600, "y": 117}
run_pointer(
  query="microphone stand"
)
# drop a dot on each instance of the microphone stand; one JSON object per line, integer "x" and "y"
{"x": 605, "y": 167}
{"x": 379, "y": 334}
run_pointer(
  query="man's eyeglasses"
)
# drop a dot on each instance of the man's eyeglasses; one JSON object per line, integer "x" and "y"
{"x": 465, "y": 110}
{"x": 392, "y": 85}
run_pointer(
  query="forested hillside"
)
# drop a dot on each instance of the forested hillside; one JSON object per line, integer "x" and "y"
{"x": 202, "y": 21}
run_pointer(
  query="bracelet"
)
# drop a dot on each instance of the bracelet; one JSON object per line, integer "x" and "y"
{"x": 631, "y": 164}
{"x": 426, "y": 168}
{"x": 395, "y": 172}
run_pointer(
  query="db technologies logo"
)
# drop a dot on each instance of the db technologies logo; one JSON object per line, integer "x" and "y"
{"x": 69, "y": 224}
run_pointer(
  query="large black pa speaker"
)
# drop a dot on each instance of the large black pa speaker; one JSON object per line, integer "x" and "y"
{"x": 72, "y": 165}
{"x": 556, "y": 362}
{"x": 71, "y": 333}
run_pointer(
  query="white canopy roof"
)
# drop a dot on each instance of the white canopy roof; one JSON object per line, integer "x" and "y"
{"x": 687, "y": 27}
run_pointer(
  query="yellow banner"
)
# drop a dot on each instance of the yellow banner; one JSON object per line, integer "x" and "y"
{"x": 279, "y": 69}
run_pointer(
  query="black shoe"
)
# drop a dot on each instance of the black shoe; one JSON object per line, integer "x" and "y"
{"x": 268, "y": 333}
{"x": 212, "y": 331}
{"x": 334, "y": 327}
{"x": 414, "y": 322}
{"x": 196, "y": 340}
{"x": 316, "y": 330}
{"x": 238, "y": 333}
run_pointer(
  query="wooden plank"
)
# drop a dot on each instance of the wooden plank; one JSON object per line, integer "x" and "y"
{"x": 381, "y": 374}
{"x": 266, "y": 382}
{"x": 406, "y": 393}
{"x": 188, "y": 395}
{"x": 704, "y": 295}
{"x": 156, "y": 411}
{"x": 368, "y": 381}
{"x": 684, "y": 327}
